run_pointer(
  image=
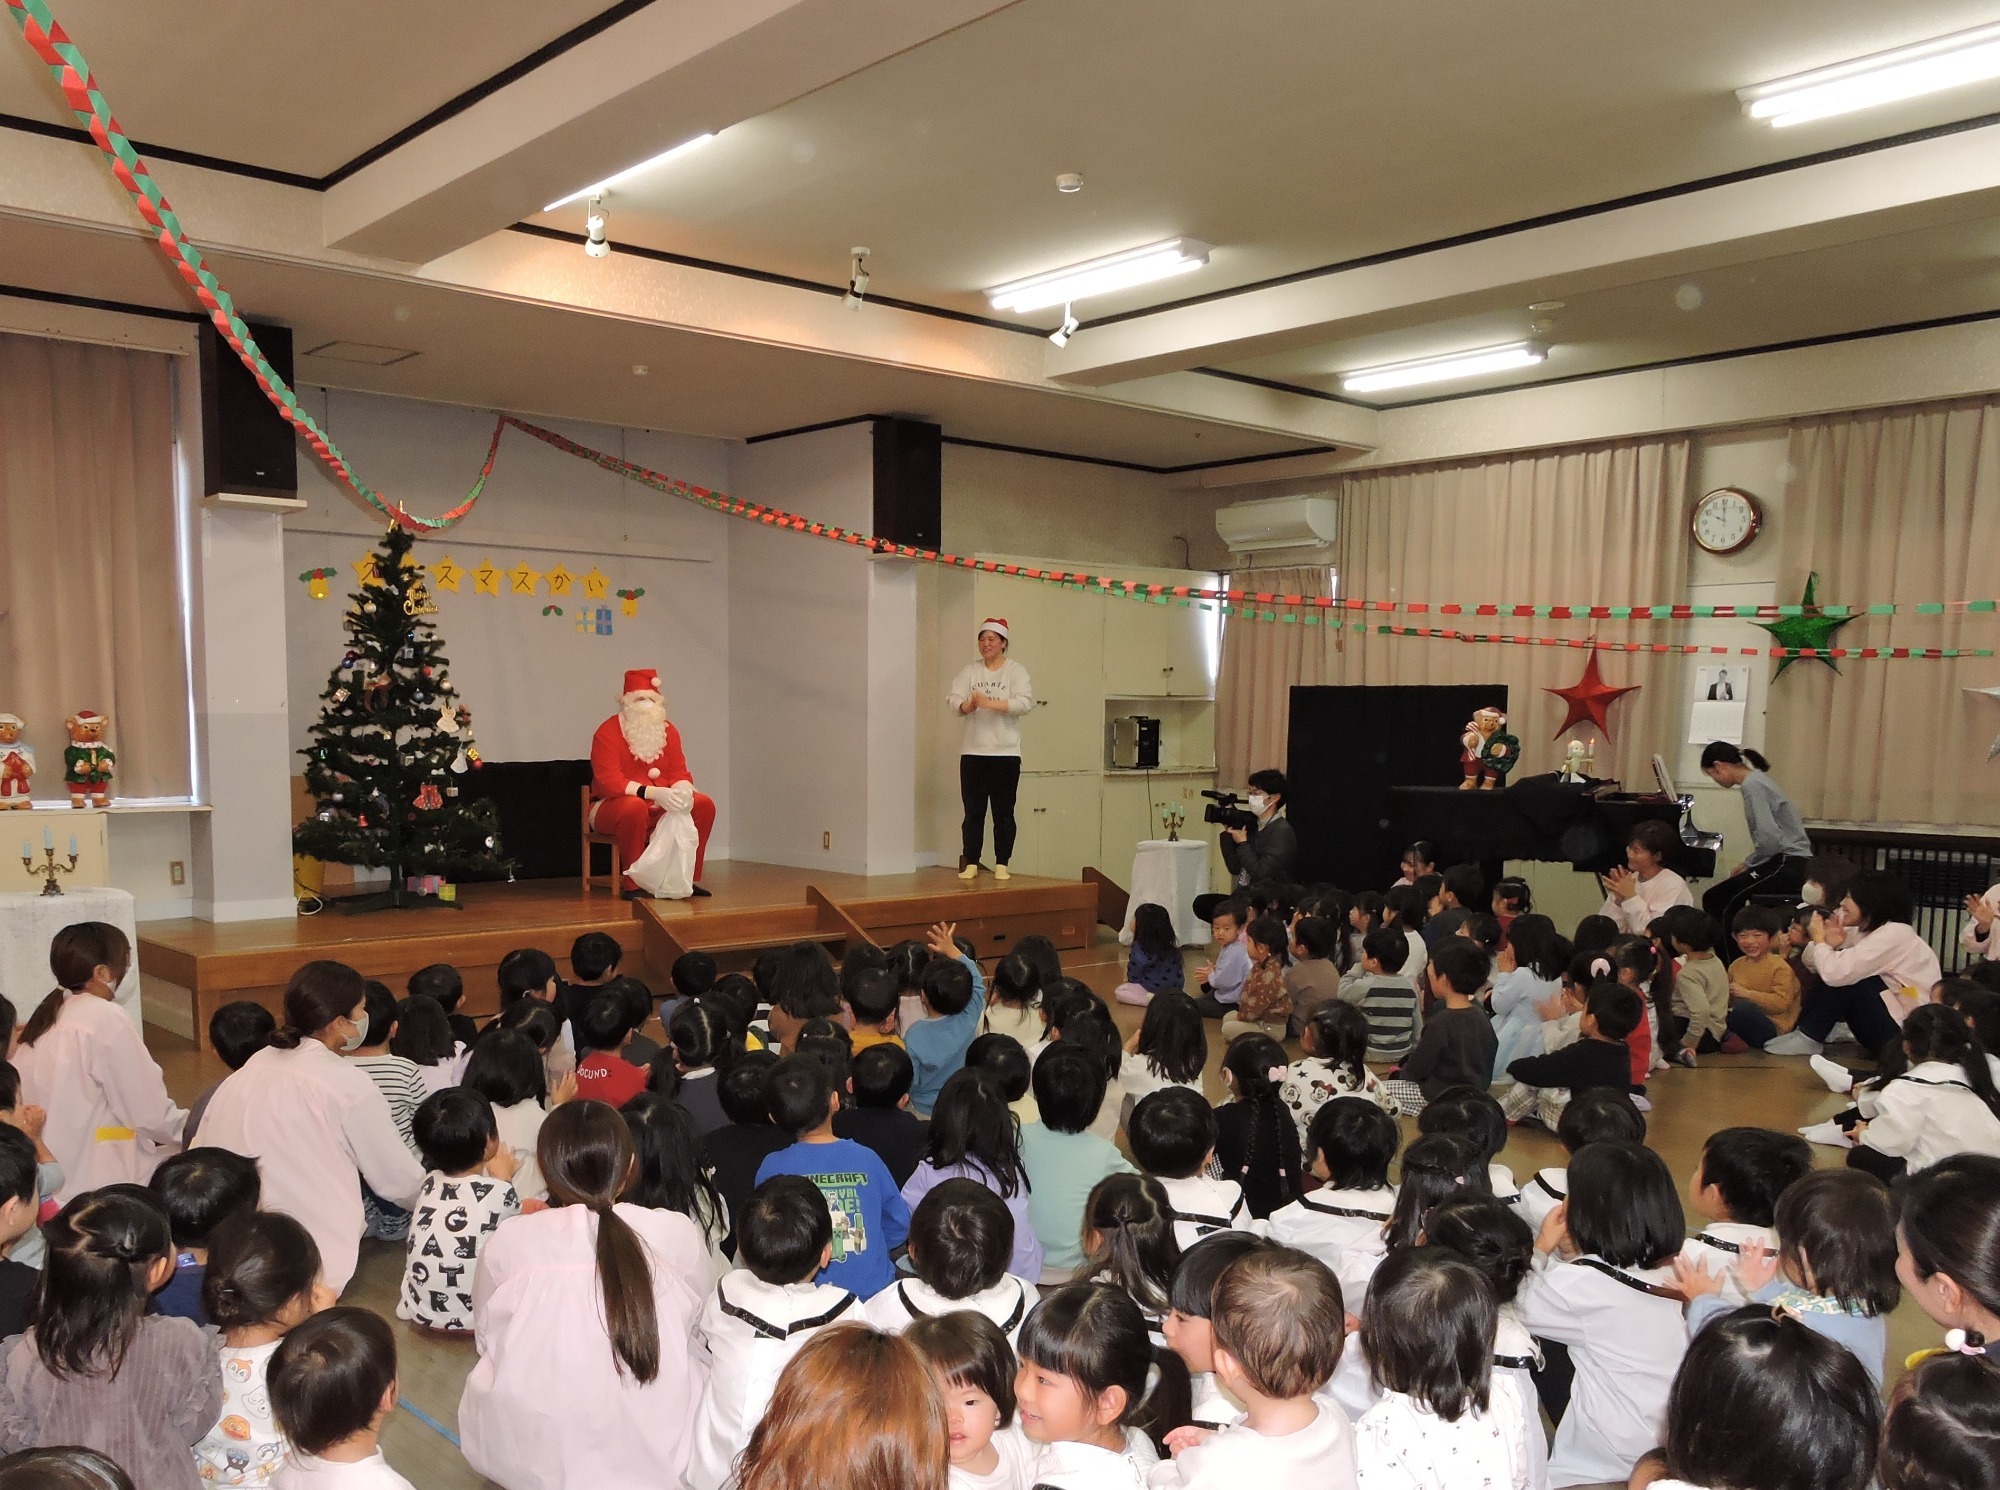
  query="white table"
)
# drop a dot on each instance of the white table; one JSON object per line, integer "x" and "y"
{"x": 1170, "y": 872}
{"x": 28, "y": 922}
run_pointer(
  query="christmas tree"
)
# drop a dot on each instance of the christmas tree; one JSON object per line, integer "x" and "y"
{"x": 393, "y": 744}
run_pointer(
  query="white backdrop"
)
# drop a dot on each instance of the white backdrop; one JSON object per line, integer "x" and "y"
{"x": 537, "y": 686}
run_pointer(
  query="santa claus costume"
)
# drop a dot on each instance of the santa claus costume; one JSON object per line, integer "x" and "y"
{"x": 638, "y": 773}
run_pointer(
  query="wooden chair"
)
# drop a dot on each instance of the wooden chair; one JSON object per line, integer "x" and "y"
{"x": 590, "y": 839}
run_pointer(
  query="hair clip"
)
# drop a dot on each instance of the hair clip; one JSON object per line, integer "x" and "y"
{"x": 1276, "y": 1073}
{"x": 1965, "y": 1342}
{"x": 1600, "y": 967}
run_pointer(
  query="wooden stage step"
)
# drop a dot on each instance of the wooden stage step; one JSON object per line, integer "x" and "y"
{"x": 190, "y": 968}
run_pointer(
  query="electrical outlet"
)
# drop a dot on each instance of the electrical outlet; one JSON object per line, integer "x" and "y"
{"x": 826, "y": 840}
{"x": 177, "y": 873}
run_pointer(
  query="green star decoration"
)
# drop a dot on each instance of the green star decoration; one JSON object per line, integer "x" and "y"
{"x": 1805, "y": 631}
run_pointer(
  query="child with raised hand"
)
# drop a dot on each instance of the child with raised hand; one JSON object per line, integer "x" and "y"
{"x": 1763, "y": 1403}
{"x": 1265, "y": 1006}
{"x": 1279, "y": 1327}
{"x": 1594, "y": 1115}
{"x": 1172, "y": 1136}
{"x": 760, "y": 1316}
{"x": 1602, "y": 1286}
{"x": 1063, "y": 1158}
{"x": 1169, "y": 1048}
{"x": 1095, "y": 1395}
{"x": 1352, "y": 1143}
{"x": 1943, "y": 1420}
{"x": 1735, "y": 1189}
{"x": 870, "y": 1219}
{"x": 1457, "y": 1045}
{"x": 95, "y": 1369}
{"x": 953, "y": 991}
{"x": 583, "y": 1314}
{"x": 199, "y": 1189}
{"x": 1943, "y": 1104}
{"x": 263, "y": 1282}
{"x": 506, "y": 1069}
{"x": 1335, "y": 1047}
{"x": 1445, "y": 1420}
{"x": 1834, "y": 1269}
{"x": 1128, "y": 1240}
{"x": 961, "y": 1236}
{"x": 975, "y": 1368}
{"x": 1188, "y": 1325}
{"x": 1154, "y": 965}
{"x": 1491, "y": 1236}
{"x": 1256, "y": 1141}
{"x": 468, "y": 1191}
{"x": 332, "y": 1384}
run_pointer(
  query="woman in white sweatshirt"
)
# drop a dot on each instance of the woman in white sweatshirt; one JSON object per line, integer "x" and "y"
{"x": 992, "y": 693}
{"x": 1874, "y": 967}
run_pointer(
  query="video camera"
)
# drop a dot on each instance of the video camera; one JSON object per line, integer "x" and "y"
{"x": 1227, "y": 810}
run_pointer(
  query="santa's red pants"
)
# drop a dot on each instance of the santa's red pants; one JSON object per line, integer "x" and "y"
{"x": 630, "y": 820}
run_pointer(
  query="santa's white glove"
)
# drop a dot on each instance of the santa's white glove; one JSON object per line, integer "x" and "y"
{"x": 679, "y": 797}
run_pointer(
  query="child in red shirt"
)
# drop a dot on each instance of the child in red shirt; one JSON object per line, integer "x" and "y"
{"x": 602, "y": 1074}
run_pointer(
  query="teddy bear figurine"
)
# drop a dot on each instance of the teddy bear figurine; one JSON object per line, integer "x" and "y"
{"x": 17, "y": 763}
{"x": 1486, "y": 752}
{"x": 88, "y": 763}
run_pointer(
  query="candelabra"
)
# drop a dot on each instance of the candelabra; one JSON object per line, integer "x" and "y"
{"x": 50, "y": 871}
{"x": 1172, "y": 817}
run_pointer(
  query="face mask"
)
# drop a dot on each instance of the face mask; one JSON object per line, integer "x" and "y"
{"x": 1812, "y": 894}
{"x": 353, "y": 1041}
{"x": 1258, "y": 802}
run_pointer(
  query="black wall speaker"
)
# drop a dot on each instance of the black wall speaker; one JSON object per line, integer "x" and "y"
{"x": 247, "y": 447}
{"x": 909, "y": 482}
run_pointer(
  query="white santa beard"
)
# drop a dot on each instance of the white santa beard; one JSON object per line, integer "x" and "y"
{"x": 643, "y": 722}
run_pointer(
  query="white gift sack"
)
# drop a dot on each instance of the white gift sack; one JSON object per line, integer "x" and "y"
{"x": 666, "y": 868}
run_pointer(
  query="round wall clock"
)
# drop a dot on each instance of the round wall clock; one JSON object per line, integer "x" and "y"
{"x": 1726, "y": 520}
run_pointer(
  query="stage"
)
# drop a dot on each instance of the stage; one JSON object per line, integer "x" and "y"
{"x": 188, "y": 968}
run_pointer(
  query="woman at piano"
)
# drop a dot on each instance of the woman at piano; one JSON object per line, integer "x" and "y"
{"x": 1779, "y": 848}
{"x": 1645, "y": 888}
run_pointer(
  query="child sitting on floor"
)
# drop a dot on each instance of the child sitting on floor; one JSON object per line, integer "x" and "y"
{"x": 1385, "y": 995}
{"x": 441, "y": 981}
{"x": 1763, "y": 989}
{"x": 332, "y": 1384}
{"x": 468, "y": 1191}
{"x": 1352, "y": 1143}
{"x": 1335, "y": 1045}
{"x": 1188, "y": 1326}
{"x": 1599, "y": 1060}
{"x": 1169, "y": 1048}
{"x": 976, "y": 1368}
{"x": 199, "y": 1189}
{"x": 1265, "y": 1006}
{"x": 961, "y": 1240}
{"x": 1154, "y": 965}
{"x": 602, "y": 1073}
{"x": 879, "y": 1116}
{"x": 1172, "y": 1136}
{"x": 1735, "y": 1188}
{"x": 1595, "y": 1115}
{"x": 1457, "y": 1045}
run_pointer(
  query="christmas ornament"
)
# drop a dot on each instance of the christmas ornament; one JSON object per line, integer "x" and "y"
{"x": 418, "y": 602}
{"x": 447, "y": 574}
{"x": 88, "y": 763}
{"x": 339, "y": 695}
{"x": 631, "y": 601}
{"x": 486, "y": 579}
{"x": 552, "y": 610}
{"x": 1991, "y": 750}
{"x": 368, "y": 607}
{"x": 428, "y": 797}
{"x": 316, "y": 582}
{"x": 522, "y": 580}
{"x": 1808, "y": 631}
{"x": 17, "y": 763}
{"x": 1589, "y": 697}
{"x": 559, "y": 581}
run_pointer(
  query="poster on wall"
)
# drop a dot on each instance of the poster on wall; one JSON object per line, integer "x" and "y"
{"x": 1721, "y": 704}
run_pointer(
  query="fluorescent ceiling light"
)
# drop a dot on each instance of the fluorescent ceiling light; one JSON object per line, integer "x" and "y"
{"x": 685, "y": 147}
{"x": 1469, "y": 364}
{"x": 1887, "y": 77}
{"x": 1119, "y": 271}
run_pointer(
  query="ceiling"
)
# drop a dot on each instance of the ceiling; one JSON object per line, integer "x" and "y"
{"x": 1293, "y": 135}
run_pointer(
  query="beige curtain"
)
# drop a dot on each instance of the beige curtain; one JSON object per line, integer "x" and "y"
{"x": 1893, "y": 505}
{"x": 90, "y": 611}
{"x": 1603, "y": 525}
{"x": 1261, "y": 660}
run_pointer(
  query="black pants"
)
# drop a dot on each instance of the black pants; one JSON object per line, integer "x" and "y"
{"x": 1859, "y": 1006}
{"x": 1884, "y": 1167}
{"x": 1555, "y": 1379}
{"x": 1726, "y": 897}
{"x": 983, "y": 781}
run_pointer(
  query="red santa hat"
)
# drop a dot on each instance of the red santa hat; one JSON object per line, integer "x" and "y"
{"x": 997, "y": 625}
{"x": 87, "y": 716}
{"x": 640, "y": 680}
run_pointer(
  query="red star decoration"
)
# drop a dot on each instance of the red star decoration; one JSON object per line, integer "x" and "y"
{"x": 1589, "y": 697}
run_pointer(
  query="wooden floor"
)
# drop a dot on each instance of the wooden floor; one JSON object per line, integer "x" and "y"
{"x": 1687, "y": 1106}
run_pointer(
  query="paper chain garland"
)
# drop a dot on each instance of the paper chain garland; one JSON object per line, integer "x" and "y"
{"x": 71, "y": 70}
{"x": 86, "y": 100}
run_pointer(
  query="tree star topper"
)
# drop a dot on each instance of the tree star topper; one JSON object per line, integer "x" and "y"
{"x": 1589, "y": 697}
{"x": 1810, "y": 631}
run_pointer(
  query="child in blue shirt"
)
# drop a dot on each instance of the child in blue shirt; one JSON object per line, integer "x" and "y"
{"x": 870, "y": 1219}
{"x": 954, "y": 995}
{"x": 1222, "y": 980}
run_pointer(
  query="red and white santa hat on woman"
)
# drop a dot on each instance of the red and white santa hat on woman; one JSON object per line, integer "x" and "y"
{"x": 640, "y": 681}
{"x": 997, "y": 625}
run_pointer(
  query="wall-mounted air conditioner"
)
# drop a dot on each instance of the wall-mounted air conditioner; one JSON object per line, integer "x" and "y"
{"x": 1307, "y": 521}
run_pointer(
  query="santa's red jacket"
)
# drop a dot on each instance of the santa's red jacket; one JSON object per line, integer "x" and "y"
{"x": 616, "y": 772}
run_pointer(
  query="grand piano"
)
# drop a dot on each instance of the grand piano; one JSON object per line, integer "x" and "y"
{"x": 1544, "y": 818}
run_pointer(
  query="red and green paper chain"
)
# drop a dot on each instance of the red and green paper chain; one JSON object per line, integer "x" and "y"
{"x": 86, "y": 100}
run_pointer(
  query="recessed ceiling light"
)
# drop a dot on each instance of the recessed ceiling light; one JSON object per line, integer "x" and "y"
{"x": 1466, "y": 364}
{"x": 1069, "y": 181}
{"x": 685, "y": 147}
{"x": 1885, "y": 77}
{"x": 1542, "y": 307}
{"x": 1119, "y": 271}
{"x": 639, "y": 369}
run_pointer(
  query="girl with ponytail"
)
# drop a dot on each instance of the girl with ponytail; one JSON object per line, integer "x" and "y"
{"x": 97, "y": 1370}
{"x": 82, "y": 1060}
{"x": 584, "y": 1314}
{"x": 1256, "y": 1140}
{"x": 1779, "y": 848}
{"x": 1942, "y": 1105}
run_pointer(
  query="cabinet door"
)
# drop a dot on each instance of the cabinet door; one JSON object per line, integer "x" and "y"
{"x": 1157, "y": 650}
{"x": 1058, "y": 636}
{"x": 1058, "y": 817}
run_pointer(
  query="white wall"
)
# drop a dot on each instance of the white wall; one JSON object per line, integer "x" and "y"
{"x": 537, "y": 687}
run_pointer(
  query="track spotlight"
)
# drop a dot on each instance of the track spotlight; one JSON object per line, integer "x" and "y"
{"x": 1061, "y": 335}
{"x": 857, "y": 279}
{"x": 594, "y": 242}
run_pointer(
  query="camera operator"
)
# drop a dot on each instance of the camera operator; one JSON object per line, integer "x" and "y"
{"x": 1266, "y": 853}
